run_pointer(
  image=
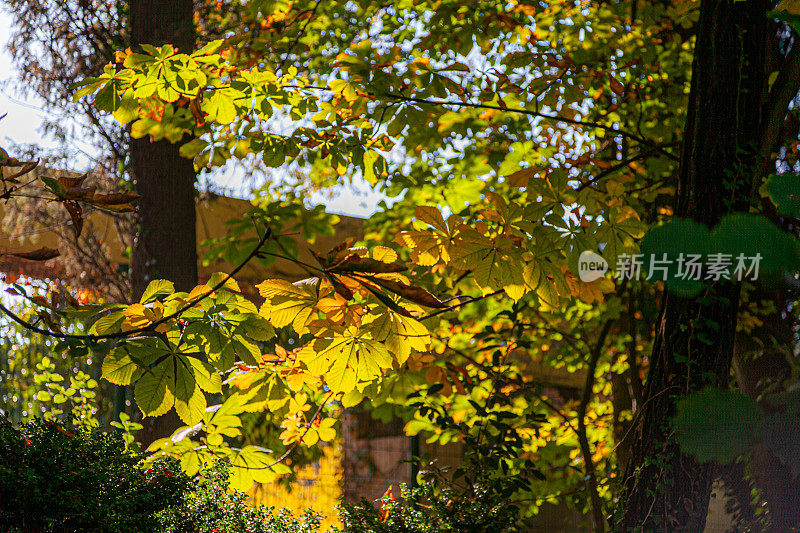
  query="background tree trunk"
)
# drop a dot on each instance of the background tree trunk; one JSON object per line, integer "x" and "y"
{"x": 165, "y": 245}
{"x": 664, "y": 489}
{"x": 762, "y": 366}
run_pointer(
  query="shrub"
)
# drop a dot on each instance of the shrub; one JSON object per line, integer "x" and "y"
{"x": 212, "y": 508}
{"x": 64, "y": 479}
{"x": 426, "y": 509}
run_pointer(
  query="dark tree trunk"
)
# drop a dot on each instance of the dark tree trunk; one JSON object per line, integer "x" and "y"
{"x": 762, "y": 368}
{"x": 165, "y": 246}
{"x": 665, "y": 490}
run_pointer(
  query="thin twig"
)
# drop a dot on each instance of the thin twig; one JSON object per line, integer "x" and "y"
{"x": 557, "y": 118}
{"x": 292, "y": 448}
{"x": 153, "y": 325}
{"x": 591, "y": 478}
{"x": 618, "y": 166}
{"x": 299, "y": 36}
{"x": 460, "y": 304}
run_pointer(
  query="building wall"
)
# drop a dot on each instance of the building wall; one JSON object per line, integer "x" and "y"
{"x": 213, "y": 211}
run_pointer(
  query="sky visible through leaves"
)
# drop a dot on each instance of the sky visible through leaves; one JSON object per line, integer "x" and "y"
{"x": 25, "y": 117}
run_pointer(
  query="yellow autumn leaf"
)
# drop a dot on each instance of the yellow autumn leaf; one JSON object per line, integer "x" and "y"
{"x": 384, "y": 254}
{"x": 326, "y": 431}
{"x": 198, "y": 291}
{"x": 299, "y": 404}
{"x": 138, "y": 316}
{"x": 339, "y": 310}
{"x": 428, "y": 247}
{"x": 290, "y": 303}
{"x": 345, "y": 358}
{"x": 311, "y": 437}
{"x": 495, "y": 263}
{"x": 400, "y": 334}
{"x": 343, "y": 88}
{"x": 297, "y": 380}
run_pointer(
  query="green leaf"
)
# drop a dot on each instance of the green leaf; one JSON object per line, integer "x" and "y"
{"x": 119, "y": 368}
{"x": 127, "y": 110}
{"x": 346, "y": 358}
{"x": 249, "y": 466}
{"x": 182, "y": 385}
{"x": 352, "y": 398}
{"x": 108, "y": 98}
{"x": 191, "y": 410}
{"x": 193, "y": 147}
{"x": 151, "y": 391}
{"x": 679, "y": 236}
{"x": 207, "y": 378}
{"x": 717, "y": 425}
{"x": 258, "y": 328}
{"x": 784, "y": 190}
{"x": 54, "y": 186}
{"x": 107, "y": 324}
{"x": 743, "y": 233}
{"x": 220, "y": 108}
{"x": 248, "y": 352}
{"x": 43, "y": 396}
{"x": 156, "y": 288}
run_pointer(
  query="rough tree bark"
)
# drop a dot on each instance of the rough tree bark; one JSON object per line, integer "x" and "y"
{"x": 165, "y": 244}
{"x": 761, "y": 366}
{"x": 664, "y": 489}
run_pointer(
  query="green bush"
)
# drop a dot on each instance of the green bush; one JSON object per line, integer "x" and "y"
{"x": 64, "y": 479}
{"x": 212, "y": 508}
{"x": 56, "y": 478}
{"x": 426, "y": 509}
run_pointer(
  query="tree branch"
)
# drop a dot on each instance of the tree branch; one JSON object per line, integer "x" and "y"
{"x": 153, "y": 325}
{"x": 783, "y": 91}
{"x": 618, "y": 166}
{"x": 528, "y": 112}
{"x": 598, "y": 517}
{"x": 299, "y": 36}
{"x": 469, "y": 300}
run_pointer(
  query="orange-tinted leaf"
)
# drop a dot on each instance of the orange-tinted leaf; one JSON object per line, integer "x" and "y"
{"x": 42, "y": 254}
{"x": 337, "y": 309}
{"x": 370, "y": 266}
{"x": 521, "y": 178}
{"x": 114, "y": 199}
{"x": 27, "y": 167}
{"x": 385, "y": 506}
{"x": 340, "y": 288}
{"x": 418, "y": 295}
{"x": 244, "y": 380}
{"x": 76, "y": 214}
{"x": 616, "y": 86}
{"x": 72, "y": 183}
